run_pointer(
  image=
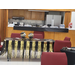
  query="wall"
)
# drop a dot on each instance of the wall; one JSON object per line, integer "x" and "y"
{"x": 2, "y": 22}
{"x": 67, "y": 18}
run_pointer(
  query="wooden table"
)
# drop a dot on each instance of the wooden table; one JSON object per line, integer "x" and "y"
{"x": 16, "y": 47}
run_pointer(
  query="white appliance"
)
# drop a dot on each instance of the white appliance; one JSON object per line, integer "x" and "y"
{"x": 48, "y": 19}
{"x": 54, "y": 20}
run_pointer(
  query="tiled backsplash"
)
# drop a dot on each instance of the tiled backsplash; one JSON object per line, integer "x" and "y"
{"x": 39, "y": 22}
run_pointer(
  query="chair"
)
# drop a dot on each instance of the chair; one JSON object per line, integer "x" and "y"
{"x": 67, "y": 39}
{"x": 38, "y": 35}
{"x": 15, "y": 35}
{"x": 0, "y": 44}
{"x": 55, "y": 58}
{"x": 58, "y": 45}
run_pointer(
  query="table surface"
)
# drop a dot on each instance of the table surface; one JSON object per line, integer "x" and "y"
{"x": 41, "y": 29}
{"x": 70, "y": 56}
{"x": 43, "y": 41}
{"x": 19, "y": 39}
{"x": 24, "y": 48}
{"x": 71, "y": 51}
{"x": 48, "y": 41}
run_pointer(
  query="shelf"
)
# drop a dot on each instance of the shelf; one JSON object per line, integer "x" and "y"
{"x": 41, "y": 29}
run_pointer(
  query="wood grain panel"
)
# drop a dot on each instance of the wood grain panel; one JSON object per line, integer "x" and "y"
{"x": 28, "y": 15}
{"x": 37, "y": 15}
{"x": 72, "y": 36}
{"x": 15, "y": 13}
{"x": 67, "y": 19}
{"x": 5, "y": 21}
{"x": 34, "y": 15}
{"x": 41, "y": 16}
{"x": 2, "y": 17}
{"x": 49, "y": 35}
{"x": 10, "y": 30}
{"x": 21, "y": 13}
{"x": 61, "y": 36}
{"x": 10, "y": 12}
{"x": 1, "y": 25}
{"x": 0, "y": 22}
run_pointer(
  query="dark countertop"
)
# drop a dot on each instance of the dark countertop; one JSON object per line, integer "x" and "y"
{"x": 41, "y": 29}
{"x": 70, "y": 56}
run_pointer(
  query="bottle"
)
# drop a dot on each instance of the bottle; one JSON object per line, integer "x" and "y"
{"x": 52, "y": 22}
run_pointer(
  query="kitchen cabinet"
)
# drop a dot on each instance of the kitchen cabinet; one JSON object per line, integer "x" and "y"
{"x": 37, "y": 15}
{"x": 15, "y": 13}
{"x": 27, "y": 15}
{"x": 41, "y": 15}
{"x": 21, "y": 13}
{"x": 10, "y": 12}
{"x": 34, "y": 15}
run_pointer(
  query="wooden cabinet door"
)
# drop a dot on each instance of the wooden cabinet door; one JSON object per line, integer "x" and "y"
{"x": 41, "y": 15}
{"x": 37, "y": 15}
{"x": 27, "y": 15}
{"x": 34, "y": 15}
{"x": 67, "y": 18}
{"x": 15, "y": 13}
{"x": 10, "y": 14}
{"x": 21, "y": 13}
